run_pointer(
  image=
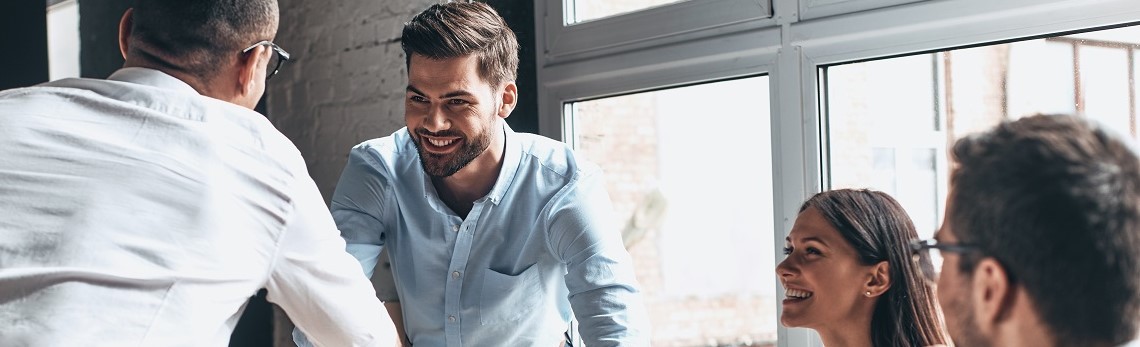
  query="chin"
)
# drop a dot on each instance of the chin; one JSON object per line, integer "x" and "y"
{"x": 792, "y": 321}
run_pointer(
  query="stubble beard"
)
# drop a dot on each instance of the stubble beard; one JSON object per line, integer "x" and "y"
{"x": 966, "y": 323}
{"x": 445, "y": 165}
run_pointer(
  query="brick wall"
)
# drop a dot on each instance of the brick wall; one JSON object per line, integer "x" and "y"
{"x": 346, "y": 81}
{"x": 344, "y": 85}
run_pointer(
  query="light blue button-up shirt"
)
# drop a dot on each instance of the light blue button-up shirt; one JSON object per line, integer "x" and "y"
{"x": 541, "y": 243}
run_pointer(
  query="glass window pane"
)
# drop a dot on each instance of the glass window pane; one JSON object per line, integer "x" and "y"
{"x": 879, "y": 112}
{"x": 869, "y": 102}
{"x": 884, "y": 170}
{"x": 1038, "y": 63}
{"x": 578, "y": 11}
{"x": 63, "y": 38}
{"x": 690, "y": 171}
{"x": 1104, "y": 85}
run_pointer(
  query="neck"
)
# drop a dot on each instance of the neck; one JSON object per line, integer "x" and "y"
{"x": 846, "y": 337}
{"x": 200, "y": 84}
{"x": 1019, "y": 335}
{"x": 1023, "y": 327}
{"x": 474, "y": 181}
{"x": 136, "y": 59}
{"x": 854, "y": 332}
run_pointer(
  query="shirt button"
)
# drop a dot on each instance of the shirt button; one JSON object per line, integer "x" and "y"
{"x": 455, "y": 274}
{"x": 455, "y": 228}
{"x": 451, "y": 319}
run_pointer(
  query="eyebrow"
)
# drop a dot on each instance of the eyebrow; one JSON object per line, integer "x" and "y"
{"x": 806, "y": 239}
{"x": 445, "y": 96}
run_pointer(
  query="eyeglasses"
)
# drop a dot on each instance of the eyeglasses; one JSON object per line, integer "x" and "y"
{"x": 281, "y": 57}
{"x": 928, "y": 255}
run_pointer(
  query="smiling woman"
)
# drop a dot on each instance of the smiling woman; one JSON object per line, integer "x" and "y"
{"x": 850, "y": 276}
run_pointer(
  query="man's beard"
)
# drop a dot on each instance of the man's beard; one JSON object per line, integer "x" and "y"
{"x": 966, "y": 323}
{"x": 445, "y": 165}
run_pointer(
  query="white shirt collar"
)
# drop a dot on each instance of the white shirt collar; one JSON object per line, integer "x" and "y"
{"x": 151, "y": 77}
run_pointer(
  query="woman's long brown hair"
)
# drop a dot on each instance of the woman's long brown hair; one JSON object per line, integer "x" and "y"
{"x": 880, "y": 230}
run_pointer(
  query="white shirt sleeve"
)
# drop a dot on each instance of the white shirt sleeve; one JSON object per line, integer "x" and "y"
{"x": 319, "y": 285}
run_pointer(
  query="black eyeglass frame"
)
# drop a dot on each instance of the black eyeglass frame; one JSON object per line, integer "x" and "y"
{"x": 282, "y": 55}
{"x": 917, "y": 247}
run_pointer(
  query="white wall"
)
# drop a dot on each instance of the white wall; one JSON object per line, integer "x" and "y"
{"x": 345, "y": 83}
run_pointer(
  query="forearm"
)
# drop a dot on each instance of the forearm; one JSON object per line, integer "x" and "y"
{"x": 611, "y": 316}
{"x": 396, "y": 312}
{"x": 327, "y": 296}
{"x": 318, "y": 285}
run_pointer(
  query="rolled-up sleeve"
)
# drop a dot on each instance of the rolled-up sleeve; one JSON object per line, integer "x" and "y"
{"x": 603, "y": 290}
{"x": 359, "y": 207}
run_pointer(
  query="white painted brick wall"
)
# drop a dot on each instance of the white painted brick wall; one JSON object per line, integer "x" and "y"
{"x": 346, "y": 81}
{"x": 344, "y": 85}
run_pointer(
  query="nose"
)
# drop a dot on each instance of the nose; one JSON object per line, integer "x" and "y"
{"x": 435, "y": 120}
{"x": 786, "y": 269}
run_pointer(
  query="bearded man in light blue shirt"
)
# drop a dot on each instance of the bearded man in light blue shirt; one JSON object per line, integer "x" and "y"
{"x": 495, "y": 237}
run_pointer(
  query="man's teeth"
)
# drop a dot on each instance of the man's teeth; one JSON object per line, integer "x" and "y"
{"x": 798, "y": 294}
{"x": 440, "y": 143}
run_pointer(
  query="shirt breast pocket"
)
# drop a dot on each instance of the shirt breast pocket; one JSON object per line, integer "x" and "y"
{"x": 509, "y": 298}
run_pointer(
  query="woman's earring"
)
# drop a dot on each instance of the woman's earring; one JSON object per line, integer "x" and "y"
{"x": 868, "y": 294}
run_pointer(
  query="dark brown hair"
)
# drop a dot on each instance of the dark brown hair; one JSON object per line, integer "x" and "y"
{"x": 879, "y": 229}
{"x": 457, "y": 29}
{"x": 1055, "y": 200}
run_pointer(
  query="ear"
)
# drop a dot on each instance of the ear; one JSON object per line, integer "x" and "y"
{"x": 880, "y": 280}
{"x": 247, "y": 69}
{"x": 510, "y": 98}
{"x": 125, "y": 31}
{"x": 993, "y": 294}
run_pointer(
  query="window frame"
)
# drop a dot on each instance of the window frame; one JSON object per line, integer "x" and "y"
{"x": 691, "y": 19}
{"x": 812, "y": 9}
{"x": 789, "y": 46}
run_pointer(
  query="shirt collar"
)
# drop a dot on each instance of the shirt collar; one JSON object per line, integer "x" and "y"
{"x": 512, "y": 156}
{"x": 153, "y": 78}
{"x": 1133, "y": 343}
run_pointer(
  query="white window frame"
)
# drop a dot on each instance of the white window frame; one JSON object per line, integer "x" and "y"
{"x": 812, "y": 9}
{"x": 690, "y": 19}
{"x": 599, "y": 58}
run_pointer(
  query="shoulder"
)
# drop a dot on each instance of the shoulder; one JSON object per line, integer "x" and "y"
{"x": 554, "y": 159}
{"x": 394, "y": 145}
{"x": 50, "y": 97}
{"x": 388, "y": 154}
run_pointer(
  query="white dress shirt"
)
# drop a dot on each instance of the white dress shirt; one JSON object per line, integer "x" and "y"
{"x": 136, "y": 212}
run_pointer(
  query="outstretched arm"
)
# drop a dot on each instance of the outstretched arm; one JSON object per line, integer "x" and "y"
{"x": 358, "y": 209}
{"x": 319, "y": 285}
